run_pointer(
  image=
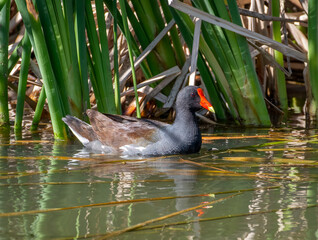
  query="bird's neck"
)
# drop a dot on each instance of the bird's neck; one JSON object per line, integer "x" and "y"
{"x": 185, "y": 118}
{"x": 186, "y": 130}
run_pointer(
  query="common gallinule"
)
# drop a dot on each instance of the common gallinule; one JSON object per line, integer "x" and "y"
{"x": 133, "y": 137}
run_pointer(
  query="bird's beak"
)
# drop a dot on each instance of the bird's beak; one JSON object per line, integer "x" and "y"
{"x": 204, "y": 102}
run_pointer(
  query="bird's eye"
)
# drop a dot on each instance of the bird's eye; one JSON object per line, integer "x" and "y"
{"x": 192, "y": 95}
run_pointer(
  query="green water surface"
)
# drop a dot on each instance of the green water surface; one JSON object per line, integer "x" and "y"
{"x": 58, "y": 190}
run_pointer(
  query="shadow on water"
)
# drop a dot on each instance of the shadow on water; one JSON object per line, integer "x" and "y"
{"x": 56, "y": 189}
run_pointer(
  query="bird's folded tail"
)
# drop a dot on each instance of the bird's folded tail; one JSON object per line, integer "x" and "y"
{"x": 82, "y": 130}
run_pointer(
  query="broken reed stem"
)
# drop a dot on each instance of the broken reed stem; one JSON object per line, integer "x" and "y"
{"x": 91, "y": 166}
{"x": 139, "y": 225}
{"x": 26, "y": 174}
{"x": 253, "y": 165}
{"x": 87, "y": 183}
{"x": 257, "y": 146}
{"x": 225, "y": 217}
{"x": 232, "y": 172}
{"x": 203, "y": 165}
{"x": 63, "y": 158}
{"x": 207, "y": 138}
{"x": 264, "y": 17}
{"x": 10, "y": 214}
{"x": 68, "y": 158}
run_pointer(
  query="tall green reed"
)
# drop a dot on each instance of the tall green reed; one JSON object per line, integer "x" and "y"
{"x": 26, "y": 56}
{"x": 312, "y": 54}
{"x": 36, "y": 35}
{"x": 279, "y": 75}
{"x": 236, "y": 79}
{"x": 4, "y": 41}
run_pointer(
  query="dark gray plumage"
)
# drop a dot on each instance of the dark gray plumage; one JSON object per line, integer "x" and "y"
{"x": 131, "y": 136}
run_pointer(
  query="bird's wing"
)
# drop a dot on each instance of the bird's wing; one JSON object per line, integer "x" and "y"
{"x": 116, "y": 131}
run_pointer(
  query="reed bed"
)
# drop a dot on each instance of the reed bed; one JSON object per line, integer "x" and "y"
{"x": 63, "y": 57}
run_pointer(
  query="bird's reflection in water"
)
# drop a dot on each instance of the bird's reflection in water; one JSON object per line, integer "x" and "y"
{"x": 126, "y": 172}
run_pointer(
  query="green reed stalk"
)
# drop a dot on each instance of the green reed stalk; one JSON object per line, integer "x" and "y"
{"x": 254, "y": 94}
{"x": 143, "y": 39}
{"x": 126, "y": 30}
{"x": 177, "y": 45}
{"x": 31, "y": 20}
{"x": 186, "y": 27}
{"x": 135, "y": 48}
{"x": 94, "y": 82}
{"x": 279, "y": 75}
{"x": 105, "y": 56}
{"x": 57, "y": 53}
{"x": 58, "y": 28}
{"x": 81, "y": 50}
{"x": 222, "y": 55}
{"x": 95, "y": 66}
{"x": 142, "y": 35}
{"x": 26, "y": 56}
{"x": 245, "y": 77}
{"x": 4, "y": 41}
{"x": 38, "y": 110}
{"x": 100, "y": 68}
{"x": 237, "y": 78}
{"x": 116, "y": 68}
{"x": 151, "y": 21}
{"x": 147, "y": 21}
{"x": 2, "y": 3}
{"x": 312, "y": 52}
{"x": 14, "y": 58}
{"x": 74, "y": 86}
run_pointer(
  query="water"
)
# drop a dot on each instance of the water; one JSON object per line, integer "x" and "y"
{"x": 51, "y": 189}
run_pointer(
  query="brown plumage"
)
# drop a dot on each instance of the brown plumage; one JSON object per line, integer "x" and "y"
{"x": 131, "y": 130}
{"x": 132, "y": 136}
